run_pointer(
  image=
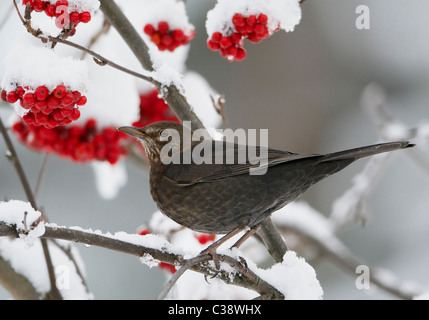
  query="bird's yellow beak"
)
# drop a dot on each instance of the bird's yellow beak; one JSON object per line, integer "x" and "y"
{"x": 132, "y": 131}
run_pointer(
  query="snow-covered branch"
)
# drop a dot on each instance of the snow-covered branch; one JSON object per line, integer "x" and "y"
{"x": 153, "y": 248}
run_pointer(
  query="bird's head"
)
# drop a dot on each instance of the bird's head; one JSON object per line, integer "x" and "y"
{"x": 155, "y": 136}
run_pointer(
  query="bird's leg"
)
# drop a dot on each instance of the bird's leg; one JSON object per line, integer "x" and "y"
{"x": 211, "y": 249}
{"x": 246, "y": 236}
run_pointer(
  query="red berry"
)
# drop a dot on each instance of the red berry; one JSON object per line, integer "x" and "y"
{"x": 57, "y": 115}
{"x": 50, "y": 10}
{"x": 238, "y": 20}
{"x": 251, "y": 20}
{"x": 75, "y": 114}
{"x": 74, "y": 17}
{"x": 66, "y": 121}
{"x": 29, "y": 99}
{"x": 62, "y": 3}
{"x": 179, "y": 35}
{"x": 261, "y": 30}
{"x": 156, "y": 38}
{"x": 81, "y": 101}
{"x": 253, "y": 37}
{"x": 41, "y": 93}
{"x": 163, "y": 27}
{"x": 12, "y": 97}
{"x": 66, "y": 112}
{"x": 149, "y": 29}
{"x": 144, "y": 231}
{"x": 53, "y": 102}
{"x": 59, "y": 91}
{"x": 213, "y": 45}
{"x": 52, "y": 123}
{"x": 67, "y": 99}
{"x": 85, "y": 17}
{"x": 236, "y": 38}
{"x": 39, "y": 105}
{"x": 225, "y": 42}
{"x": 240, "y": 55}
{"x": 39, "y": 5}
{"x": 166, "y": 266}
{"x": 20, "y": 90}
{"x": 41, "y": 118}
{"x": 167, "y": 40}
{"x": 231, "y": 51}
{"x": 216, "y": 36}
{"x": 203, "y": 238}
{"x": 4, "y": 95}
{"x": 263, "y": 19}
{"x": 29, "y": 117}
{"x": 47, "y": 110}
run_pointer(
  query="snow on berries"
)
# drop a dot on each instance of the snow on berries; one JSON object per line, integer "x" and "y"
{"x": 67, "y": 13}
{"x": 229, "y": 23}
{"x": 47, "y": 93}
{"x": 165, "y": 38}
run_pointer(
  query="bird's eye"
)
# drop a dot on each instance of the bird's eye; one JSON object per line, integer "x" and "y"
{"x": 163, "y": 133}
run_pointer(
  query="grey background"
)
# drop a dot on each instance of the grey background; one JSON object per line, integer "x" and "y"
{"x": 305, "y": 88}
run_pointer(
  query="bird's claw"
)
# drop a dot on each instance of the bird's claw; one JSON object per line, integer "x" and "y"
{"x": 214, "y": 255}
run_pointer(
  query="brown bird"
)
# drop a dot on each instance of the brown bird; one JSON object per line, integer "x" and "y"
{"x": 224, "y": 198}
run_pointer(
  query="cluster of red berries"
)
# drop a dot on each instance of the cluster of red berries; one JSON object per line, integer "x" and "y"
{"x": 50, "y": 109}
{"x": 59, "y": 11}
{"x": 80, "y": 143}
{"x": 153, "y": 109}
{"x": 166, "y": 39}
{"x": 253, "y": 28}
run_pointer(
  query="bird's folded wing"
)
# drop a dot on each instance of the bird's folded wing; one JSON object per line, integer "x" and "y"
{"x": 244, "y": 160}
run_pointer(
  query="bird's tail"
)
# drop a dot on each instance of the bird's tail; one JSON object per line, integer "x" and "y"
{"x": 362, "y": 152}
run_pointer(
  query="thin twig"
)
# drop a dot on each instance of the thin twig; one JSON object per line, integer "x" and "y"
{"x": 105, "y": 61}
{"x": 99, "y": 58}
{"x": 42, "y": 173}
{"x": 67, "y": 251}
{"x": 334, "y": 250}
{"x": 185, "y": 266}
{"x": 103, "y": 30}
{"x": 219, "y": 106}
{"x": 54, "y": 293}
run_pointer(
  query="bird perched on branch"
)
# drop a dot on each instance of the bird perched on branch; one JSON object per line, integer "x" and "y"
{"x": 221, "y": 196}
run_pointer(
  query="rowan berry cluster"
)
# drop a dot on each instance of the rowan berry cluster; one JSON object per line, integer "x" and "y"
{"x": 253, "y": 28}
{"x": 80, "y": 143}
{"x": 47, "y": 108}
{"x": 165, "y": 38}
{"x": 60, "y": 10}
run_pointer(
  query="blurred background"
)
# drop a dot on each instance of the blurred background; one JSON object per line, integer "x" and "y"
{"x": 305, "y": 87}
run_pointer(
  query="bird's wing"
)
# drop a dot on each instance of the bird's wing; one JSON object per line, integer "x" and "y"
{"x": 234, "y": 160}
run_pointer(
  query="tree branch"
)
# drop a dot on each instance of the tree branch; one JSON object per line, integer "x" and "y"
{"x": 243, "y": 277}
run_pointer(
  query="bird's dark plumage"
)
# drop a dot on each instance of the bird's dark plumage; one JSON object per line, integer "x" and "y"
{"x": 218, "y": 198}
